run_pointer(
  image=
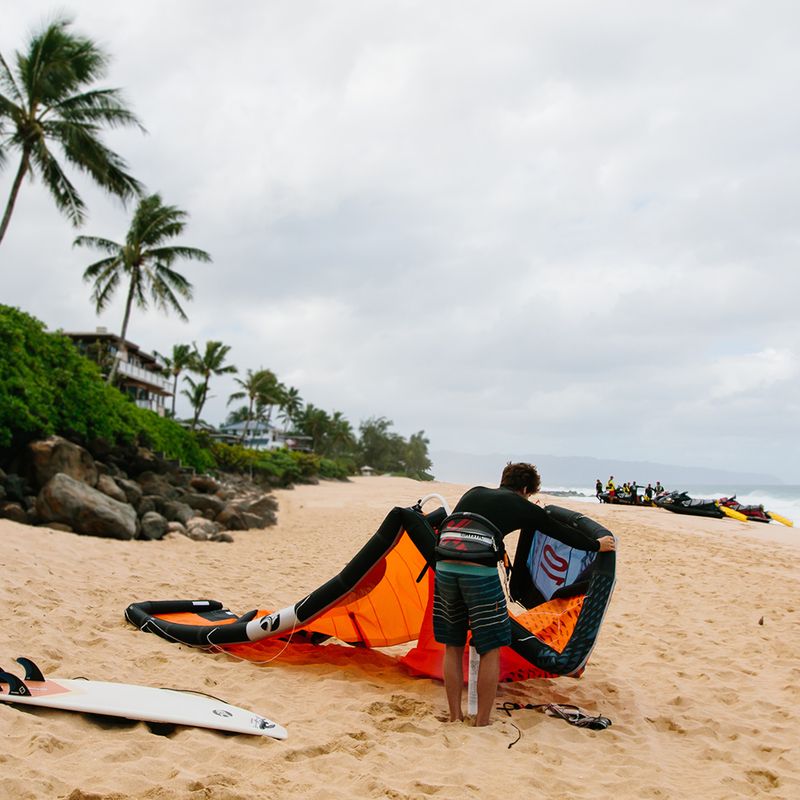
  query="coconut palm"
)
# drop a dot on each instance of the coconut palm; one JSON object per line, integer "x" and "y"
{"x": 254, "y": 386}
{"x": 144, "y": 261}
{"x": 291, "y": 407}
{"x": 196, "y": 394}
{"x": 270, "y": 394}
{"x": 48, "y": 100}
{"x": 315, "y": 422}
{"x": 177, "y": 363}
{"x": 341, "y": 439}
{"x": 210, "y": 362}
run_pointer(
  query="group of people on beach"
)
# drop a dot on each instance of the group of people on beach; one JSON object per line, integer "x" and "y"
{"x": 629, "y": 490}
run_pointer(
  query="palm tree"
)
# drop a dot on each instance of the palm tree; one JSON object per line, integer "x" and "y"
{"x": 271, "y": 393}
{"x": 177, "y": 363}
{"x": 254, "y": 385}
{"x": 196, "y": 394}
{"x": 144, "y": 261}
{"x": 208, "y": 363}
{"x": 341, "y": 439}
{"x": 47, "y": 100}
{"x": 291, "y": 406}
{"x": 315, "y": 422}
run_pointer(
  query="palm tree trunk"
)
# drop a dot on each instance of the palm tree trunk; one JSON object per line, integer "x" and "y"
{"x": 247, "y": 421}
{"x": 199, "y": 407}
{"x": 175, "y": 391}
{"x": 12, "y": 198}
{"x": 122, "y": 335}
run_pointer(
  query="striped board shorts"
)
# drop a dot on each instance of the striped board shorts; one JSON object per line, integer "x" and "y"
{"x": 469, "y": 596}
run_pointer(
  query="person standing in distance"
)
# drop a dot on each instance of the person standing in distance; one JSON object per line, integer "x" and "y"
{"x": 468, "y": 594}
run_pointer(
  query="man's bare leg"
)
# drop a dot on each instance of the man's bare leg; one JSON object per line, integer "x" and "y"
{"x": 454, "y": 679}
{"x": 488, "y": 676}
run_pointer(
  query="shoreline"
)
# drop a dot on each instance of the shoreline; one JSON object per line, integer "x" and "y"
{"x": 696, "y": 666}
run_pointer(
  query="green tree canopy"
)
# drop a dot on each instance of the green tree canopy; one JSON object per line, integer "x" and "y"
{"x": 47, "y": 387}
{"x": 176, "y": 363}
{"x": 211, "y": 361}
{"x": 49, "y": 100}
{"x": 144, "y": 261}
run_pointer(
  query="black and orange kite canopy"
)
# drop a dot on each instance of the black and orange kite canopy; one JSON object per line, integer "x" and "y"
{"x": 384, "y": 597}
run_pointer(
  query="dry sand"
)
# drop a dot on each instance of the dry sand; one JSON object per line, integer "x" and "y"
{"x": 704, "y": 698}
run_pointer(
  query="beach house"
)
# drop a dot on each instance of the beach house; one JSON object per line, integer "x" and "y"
{"x": 140, "y": 375}
{"x": 263, "y": 436}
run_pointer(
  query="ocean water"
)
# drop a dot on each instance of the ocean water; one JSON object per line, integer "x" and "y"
{"x": 781, "y": 499}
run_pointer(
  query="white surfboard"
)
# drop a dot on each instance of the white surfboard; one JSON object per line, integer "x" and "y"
{"x": 133, "y": 702}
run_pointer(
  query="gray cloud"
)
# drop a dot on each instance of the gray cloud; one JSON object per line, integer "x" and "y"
{"x": 566, "y": 230}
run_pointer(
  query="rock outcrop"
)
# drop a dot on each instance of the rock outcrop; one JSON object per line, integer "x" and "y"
{"x": 85, "y": 509}
{"x": 130, "y": 493}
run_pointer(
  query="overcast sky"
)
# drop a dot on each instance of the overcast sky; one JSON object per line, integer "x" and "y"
{"x": 561, "y": 228}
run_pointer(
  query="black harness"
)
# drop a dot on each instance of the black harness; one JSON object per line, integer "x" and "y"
{"x": 464, "y": 536}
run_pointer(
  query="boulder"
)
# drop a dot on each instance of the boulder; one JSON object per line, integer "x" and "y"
{"x": 204, "y": 502}
{"x": 254, "y": 520}
{"x": 153, "y": 483}
{"x": 152, "y": 526}
{"x": 175, "y": 511}
{"x": 16, "y": 488}
{"x": 260, "y": 513}
{"x": 13, "y": 511}
{"x": 204, "y": 484}
{"x": 56, "y": 455}
{"x": 85, "y": 509}
{"x": 55, "y": 526}
{"x": 266, "y": 505}
{"x": 107, "y": 485}
{"x": 201, "y": 529}
{"x": 231, "y": 519}
{"x": 176, "y": 527}
{"x": 151, "y": 502}
{"x": 133, "y": 492}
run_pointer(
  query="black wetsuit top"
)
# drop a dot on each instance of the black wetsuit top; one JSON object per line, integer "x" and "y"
{"x": 509, "y": 511}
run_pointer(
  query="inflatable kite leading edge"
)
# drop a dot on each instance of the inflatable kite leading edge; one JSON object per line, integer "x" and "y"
{"x": 384, "y": 596}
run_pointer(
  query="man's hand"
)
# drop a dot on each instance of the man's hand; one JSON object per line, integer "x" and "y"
{"x": 607, "y": 544}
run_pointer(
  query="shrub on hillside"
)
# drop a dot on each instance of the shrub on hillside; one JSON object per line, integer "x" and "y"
{"x": 47, "y": 387}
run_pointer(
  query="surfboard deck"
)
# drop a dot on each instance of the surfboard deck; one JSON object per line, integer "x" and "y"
{"x": 132, "y": 701}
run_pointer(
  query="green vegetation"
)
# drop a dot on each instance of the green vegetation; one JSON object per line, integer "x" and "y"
{"x": 50, "y": 99}
{"x": 47, "y": 387}
{"x": 144, "y": 262}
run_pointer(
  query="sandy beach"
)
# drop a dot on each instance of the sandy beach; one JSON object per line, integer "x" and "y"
{"x": 697, "y": 665}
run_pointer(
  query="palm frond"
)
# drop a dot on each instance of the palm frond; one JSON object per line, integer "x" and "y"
{"x": 93, "y": 271}
{"x": 8, "y": 82}
{"x": 97, "y": 242}
{"x": 164, "y": 298}
{"x": 97, "y": 106}
{"x": 64, "y": 193}
{"x": 84, "y": 150}
{"x": 104, "y": 287}
{"x": 169, "y": 254}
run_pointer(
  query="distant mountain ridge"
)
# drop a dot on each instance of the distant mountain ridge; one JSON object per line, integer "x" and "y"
{"x": 576, "y": 471}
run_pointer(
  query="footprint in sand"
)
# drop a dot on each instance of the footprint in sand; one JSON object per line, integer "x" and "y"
{"x": 400, "y": 713}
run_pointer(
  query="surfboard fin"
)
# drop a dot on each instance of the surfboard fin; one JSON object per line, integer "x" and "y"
{"x": 15, "y": 685}
{"x": 32, "y": 672}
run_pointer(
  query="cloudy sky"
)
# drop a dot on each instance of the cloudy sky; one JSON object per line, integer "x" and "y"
{"x": 560, "y": 228}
